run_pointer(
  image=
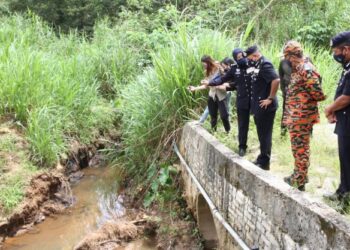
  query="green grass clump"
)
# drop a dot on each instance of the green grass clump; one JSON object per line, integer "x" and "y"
{"x": 12, "y": 191}
{"x": 60, "y": 88}
{"x": 16, "y": 169}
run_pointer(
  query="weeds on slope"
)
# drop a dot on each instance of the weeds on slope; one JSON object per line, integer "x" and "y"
{"x": 60, "y": 88}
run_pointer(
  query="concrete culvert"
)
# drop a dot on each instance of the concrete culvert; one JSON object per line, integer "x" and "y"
{"x": 206, "y": 224}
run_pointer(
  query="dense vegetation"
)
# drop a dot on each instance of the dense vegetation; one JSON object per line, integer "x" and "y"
{"x": 70, "y": 69}
{"x": 308, "y": 20}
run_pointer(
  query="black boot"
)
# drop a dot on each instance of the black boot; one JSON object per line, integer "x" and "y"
{"x": 265, "y": 166}
{"x": 241, "y": 152}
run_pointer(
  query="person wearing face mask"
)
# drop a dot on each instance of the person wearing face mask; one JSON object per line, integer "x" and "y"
{"x": 301, "y": 110}
{"x": 339, "y": 112}
{"x": 217, "y": 97}
{"x": 226, "y": 64}
{"x": 240, "y": 81}
{"x": 263, "y": 101}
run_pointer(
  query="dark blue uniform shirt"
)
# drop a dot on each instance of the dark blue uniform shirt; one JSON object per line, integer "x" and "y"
{"x": 342, "y": 127}
{"x": 239, "y": 80}
{"x": 262, "y": 76}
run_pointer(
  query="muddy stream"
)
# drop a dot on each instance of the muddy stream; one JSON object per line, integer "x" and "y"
{"x": 96, "y": 201}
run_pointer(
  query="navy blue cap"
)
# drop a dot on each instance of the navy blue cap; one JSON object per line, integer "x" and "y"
{"x": 251, "y": 50}
{"x": 341, "y": 39}
{"x": 227, "y": 61}
{"x": 235, "y": 53}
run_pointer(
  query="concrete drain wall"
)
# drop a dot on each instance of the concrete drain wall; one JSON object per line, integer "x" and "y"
{"x": 264, "y": 211}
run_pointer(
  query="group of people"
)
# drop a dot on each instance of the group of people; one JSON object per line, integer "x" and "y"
{"x": 256, "y": 81}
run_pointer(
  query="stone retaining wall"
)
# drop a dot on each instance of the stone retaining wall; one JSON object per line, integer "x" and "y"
{"x": 262, "y": 209}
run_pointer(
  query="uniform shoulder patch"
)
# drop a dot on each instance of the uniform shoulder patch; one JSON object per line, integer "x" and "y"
{"x": 309, "y": 71}
{"x": 308, "y": 67}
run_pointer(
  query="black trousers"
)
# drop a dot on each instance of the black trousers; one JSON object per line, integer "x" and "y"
{"x": 344, "y": 158}
{"x": 243, "y": 116}
{"x": 214, "y": 106}
{"x": 264, "y": 126}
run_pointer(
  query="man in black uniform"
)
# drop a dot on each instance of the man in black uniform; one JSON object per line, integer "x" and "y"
{"x": 339, "y": 112}
{"x": 240, "y": 81}
{"x": 263, "y": 105}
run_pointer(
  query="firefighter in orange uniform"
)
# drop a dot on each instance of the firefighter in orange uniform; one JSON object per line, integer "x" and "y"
{"x": 303, "y": 95}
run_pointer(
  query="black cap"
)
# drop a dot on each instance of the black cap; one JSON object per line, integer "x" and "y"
{"x": 227, "y": 61}
{"x": 341, "y": 39}
{"x": 251, "y": 50}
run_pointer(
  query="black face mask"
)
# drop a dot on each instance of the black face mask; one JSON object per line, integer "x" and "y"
{"x": 242, "y": 63}
{"x": 339, "y": 58}
{"x": 252, "y": 63}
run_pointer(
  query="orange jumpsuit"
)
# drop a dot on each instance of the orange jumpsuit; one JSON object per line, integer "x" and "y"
{"x": 301, "y": 113}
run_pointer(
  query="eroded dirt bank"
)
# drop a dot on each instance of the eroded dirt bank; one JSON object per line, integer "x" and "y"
{"x": 47, "y": 190}
{"x": 48, "y": 193}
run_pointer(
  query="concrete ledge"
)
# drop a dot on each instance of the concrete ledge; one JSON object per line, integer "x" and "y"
{"x": 265, "y": 211}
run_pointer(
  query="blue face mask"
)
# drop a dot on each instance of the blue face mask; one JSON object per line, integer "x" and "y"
{"x": 242, "y": 63}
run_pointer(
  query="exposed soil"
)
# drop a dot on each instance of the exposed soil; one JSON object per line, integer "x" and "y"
{"x": 48, "y": 193}
{"x": 163, "y": 229}
{"x": 116, "y": 233}
{"x": 11, "y": 160}
{"x": 180, "y": 235}
{"x": 176, "y": 227}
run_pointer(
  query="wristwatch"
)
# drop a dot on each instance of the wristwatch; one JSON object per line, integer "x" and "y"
{"x": 270, "y": 98}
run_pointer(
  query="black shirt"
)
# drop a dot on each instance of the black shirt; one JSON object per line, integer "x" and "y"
{"x": 240, "y": 81}
{"x": 262, "y": 76}
{"x": 342, "y": 127}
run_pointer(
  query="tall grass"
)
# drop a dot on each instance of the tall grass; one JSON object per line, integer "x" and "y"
{"x": 158, "y": 102}
{"x": 55, "y": 86}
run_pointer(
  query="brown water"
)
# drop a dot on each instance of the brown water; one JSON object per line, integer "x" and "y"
{"x": 96, "y": 202}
